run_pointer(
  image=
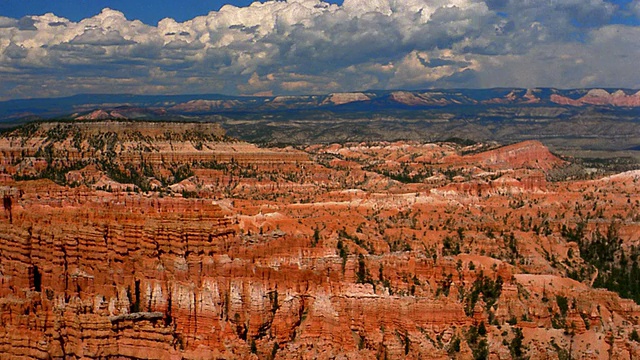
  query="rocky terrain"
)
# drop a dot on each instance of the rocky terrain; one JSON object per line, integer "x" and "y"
{"x": 587, "y": 123}
{"x": 135, "y": 106}
{"x": 138, "y": 240}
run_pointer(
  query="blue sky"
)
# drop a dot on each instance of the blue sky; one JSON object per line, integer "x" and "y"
{"x": 624, "y": 16}
{"x": 149, "y": 12}
{"x": 313, "y": 46}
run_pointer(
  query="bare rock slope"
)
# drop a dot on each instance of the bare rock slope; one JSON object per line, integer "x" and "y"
{"x": 214, "y": 248}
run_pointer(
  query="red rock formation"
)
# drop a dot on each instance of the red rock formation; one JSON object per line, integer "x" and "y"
{"x": 600, "y": 97}
{"x": 412, "y": 99}
{"x": 528, "y": 154}
{"x": 101, "y": 115}
{"x": 345, "y": 98}
{"x": 563, "y": 100}
{"x": 336, "y": 251}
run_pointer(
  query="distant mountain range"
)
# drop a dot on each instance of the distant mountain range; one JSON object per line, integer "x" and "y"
{"x": 178, "y": 106}
{"x": 582, "y": 122}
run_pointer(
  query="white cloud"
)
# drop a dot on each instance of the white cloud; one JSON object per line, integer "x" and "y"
{"x": 100, "y": 38}
{"x": 634, "y": 6}
{"x": 312, "y": 46}
{"x": 6, "y": 22}
{"x": 607, "y": 58}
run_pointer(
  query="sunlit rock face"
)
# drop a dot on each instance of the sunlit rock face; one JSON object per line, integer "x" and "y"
{"x": 601, "y": 97}
{"x": 164, "y": 241}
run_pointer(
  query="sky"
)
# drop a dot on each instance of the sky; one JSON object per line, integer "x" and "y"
{"x": 60, "y": 48}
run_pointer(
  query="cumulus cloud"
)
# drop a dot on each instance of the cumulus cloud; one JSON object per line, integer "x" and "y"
{"x": 6, "y": 22}
{"x": 100, "y": 38}
{"x": 14, "y": 51}
{"x": 309, "y": 46}
{"x": 634, "y": 6}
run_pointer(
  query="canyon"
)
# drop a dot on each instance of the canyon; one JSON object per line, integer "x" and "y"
{"x": 163, "y": 240}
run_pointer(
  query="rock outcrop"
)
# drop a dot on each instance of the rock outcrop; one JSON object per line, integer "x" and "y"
{"x": 600, "y": 97}
{"x": 527, "y": 154}
{"x": 367, "y": 250}
{"x": 345, "y": 98}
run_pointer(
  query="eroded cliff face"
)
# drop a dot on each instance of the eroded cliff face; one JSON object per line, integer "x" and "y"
{"x": 600, "y": 97}
{"x": 388, "y": 250}
{"x": 72, "y": 274}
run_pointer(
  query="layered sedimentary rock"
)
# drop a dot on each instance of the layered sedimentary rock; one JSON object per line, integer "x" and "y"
{"x": 600, "y": 97}
{"x": 345, "y": 98}
{"x": 384, "y": 250}
{"x": 528, "y": 154}
{"x": 141, "y": 142}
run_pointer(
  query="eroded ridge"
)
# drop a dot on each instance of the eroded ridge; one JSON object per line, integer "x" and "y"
{"x": 153, "y": 245}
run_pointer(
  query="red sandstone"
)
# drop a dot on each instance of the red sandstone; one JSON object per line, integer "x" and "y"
{"x": 251, "y": 266}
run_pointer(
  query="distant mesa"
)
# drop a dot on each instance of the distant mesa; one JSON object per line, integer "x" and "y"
{"x": 618, "y": 98}
{"x": 345, "y": 98}
{"x": 517, "y": 96}
{"x": 563, "y": 100}
{"x": 120, "y": 113}
{"x": 467, "y": 97}
{"x": 408, "y": 98}
{"x": 600, "y": 97}
{"x": 115, "y": 106}
{"x": 101, "y": 115}
{"x": 430, "y": 98}
{"x": 205, "y": 105}
{"x": 282, "y": 99}
{"x": 531, "y": 97}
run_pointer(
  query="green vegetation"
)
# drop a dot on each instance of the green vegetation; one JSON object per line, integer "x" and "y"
{"x": 454, "y": 346}
{"x": 563, "y": 304}
{"x": 180, "y": 172}
{"x": 316, "y": 237}
{"x": 489, "y": 289}
{"x": 274, "y": 350}
{"x": 362, "y": 273}
{"x": 129, "y": 175}
{"x": 563, "y": 354}
{"x": 99, "y": 148}
{"x": 451, "y": 245}
{"x": 477, "y": 341}
{"x": 618, "y": 268}
{"x": 343, "y": 251}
